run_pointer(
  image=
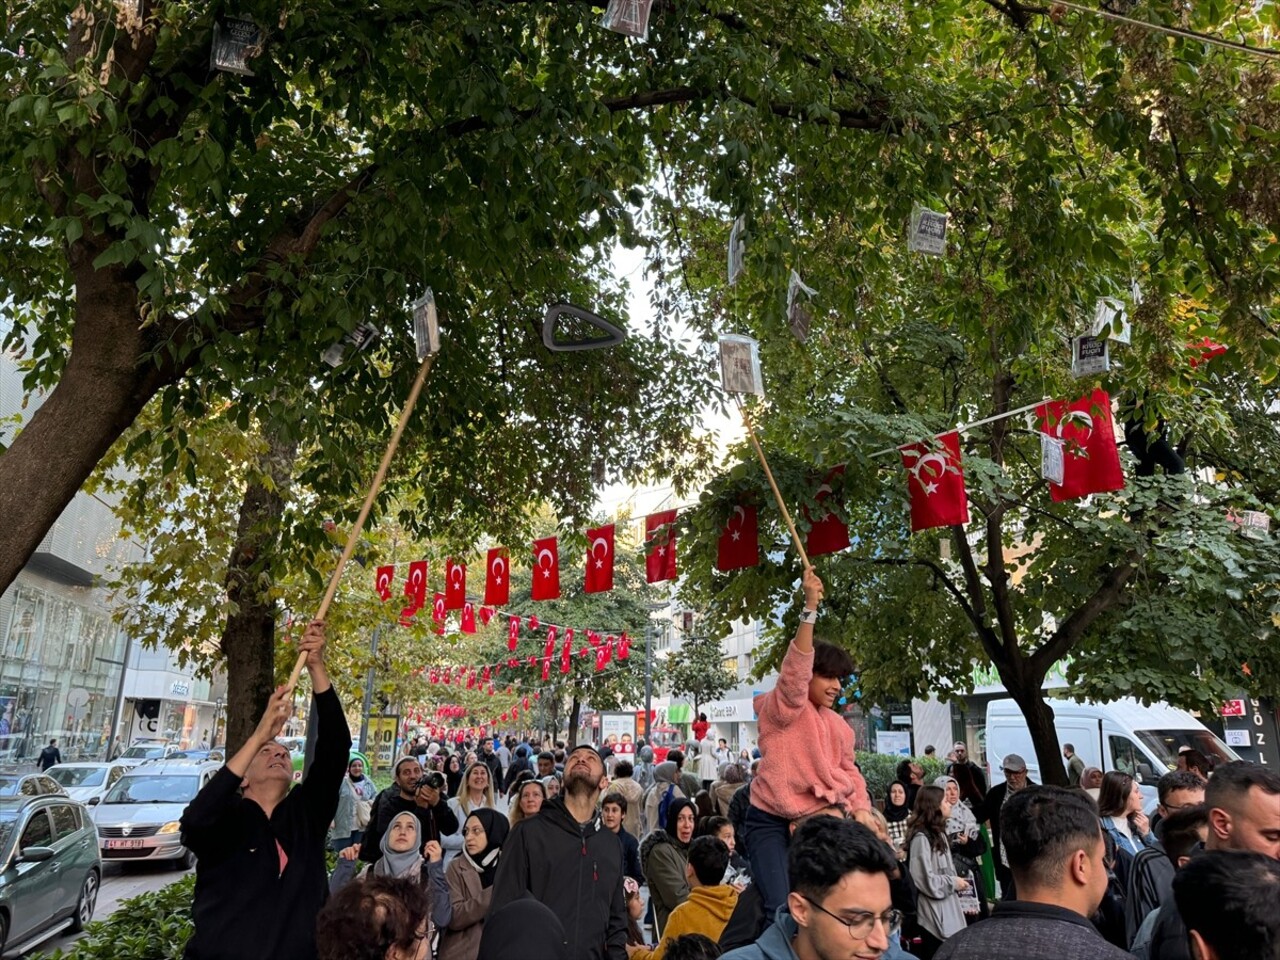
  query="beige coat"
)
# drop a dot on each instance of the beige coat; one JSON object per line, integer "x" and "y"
{"x": 635, "y": 800}
{"x": 470, "y": 902}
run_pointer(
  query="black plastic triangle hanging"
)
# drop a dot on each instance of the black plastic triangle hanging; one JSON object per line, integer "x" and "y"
{"x": 612, "y": 335}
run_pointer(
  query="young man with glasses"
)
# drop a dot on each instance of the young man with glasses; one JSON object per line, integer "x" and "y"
{"x": 839, "y": 907}
{"x": 1054, "y": 848}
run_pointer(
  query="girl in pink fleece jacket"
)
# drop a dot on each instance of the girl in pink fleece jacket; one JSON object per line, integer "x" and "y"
{"x": 806, "y": 748}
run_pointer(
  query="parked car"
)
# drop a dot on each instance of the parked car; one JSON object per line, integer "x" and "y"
{"x": 138, "y": 818}
{"x": 50, "y": 873}
{"x": 216, "y": 755}
{"x": 87, "y": 782}
{"x": 28, "y": 785}
{"x": 141, "y": 751}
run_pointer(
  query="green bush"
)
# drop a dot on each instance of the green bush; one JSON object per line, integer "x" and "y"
{"x": 153, "y": 926}
{"x": 880, "y": 770}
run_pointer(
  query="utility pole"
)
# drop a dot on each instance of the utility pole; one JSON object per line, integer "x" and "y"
{"x": 368, "y": 688}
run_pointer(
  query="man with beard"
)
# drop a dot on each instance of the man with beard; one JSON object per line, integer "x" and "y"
{"x": 565, "y": 858}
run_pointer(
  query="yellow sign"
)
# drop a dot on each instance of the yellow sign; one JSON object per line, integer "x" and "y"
{"x": 382, "y": 742}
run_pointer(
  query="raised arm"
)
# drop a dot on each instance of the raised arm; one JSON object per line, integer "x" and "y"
{"x": 333, "y": 737}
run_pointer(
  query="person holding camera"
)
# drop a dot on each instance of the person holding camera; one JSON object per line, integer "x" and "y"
{"x": 415, "y": 792}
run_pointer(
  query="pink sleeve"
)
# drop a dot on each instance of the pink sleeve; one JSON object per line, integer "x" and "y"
{"x": 792, "y": 688}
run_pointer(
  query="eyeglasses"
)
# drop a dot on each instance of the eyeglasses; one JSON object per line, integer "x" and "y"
{"x": 861, "y": 925}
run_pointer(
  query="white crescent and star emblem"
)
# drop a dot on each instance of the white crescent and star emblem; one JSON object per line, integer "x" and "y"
{"x": 439, "y": 608}
{"x": 740, "y": 515}
{"x": 544, "y": 552}
{"x": 498, "y": 567}
{"x": 1080, "y": 417}
{"x": 455, "y": 573}
{"x": 929, "y": 458}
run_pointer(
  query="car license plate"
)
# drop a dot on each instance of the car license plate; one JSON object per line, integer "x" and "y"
{"x": 124, "y": 844}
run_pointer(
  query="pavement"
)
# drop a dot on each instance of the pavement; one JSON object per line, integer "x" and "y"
{"x": 119, "y": 882}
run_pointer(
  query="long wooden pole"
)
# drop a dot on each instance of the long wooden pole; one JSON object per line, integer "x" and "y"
{"x": 777, "y": 494}
{"x": 354, "y": 537}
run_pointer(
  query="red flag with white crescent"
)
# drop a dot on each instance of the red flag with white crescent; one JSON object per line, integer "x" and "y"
{"x": 513, "y": 632}
{"x": 599, "y": 577}
{"x": 497, "y": 584}
{"x": 468, "y": 618}
{"x": 547, "y": 651}
{"x": 437, "y": 613}
{"x": 660, "y": 546}
{"x": 415, "y": 588}
{"x": 455, "y": 584}
{"x": 739, "y": 544}
{"x": 567, "y": 651}
{"x": 624, "y": 647}
{"x": 1090, "y": 458}
{"x": 546, "y": 569}
{"x": 382, "y": 582}
{"x": 827, "y": 534}
{"x": 935, "y": 479}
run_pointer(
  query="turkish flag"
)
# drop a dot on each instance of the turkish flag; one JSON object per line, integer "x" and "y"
{"x": 415, "y": 588}
{"x": 497, "y": 584}
{"x": 660, "y": 542}
{"x": 382, "y": 583}
{"x": 437, "y": 613}
{"x": 567, "y": 651}
{"x": 1090, "y": 458}
{"x": 599, "y": 560}
{"x": 624, "y": 647}
{"x": 546, "y": 569}
{"x": 455, "y": 584}
{"x": 935, "y": 479}
{"x": 468, "y": 618}
{"x": 513, "y": 632}
{"x": 739, "y": 544}
{"x": 826, "y": 534}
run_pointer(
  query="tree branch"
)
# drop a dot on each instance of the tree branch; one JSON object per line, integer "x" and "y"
{"x": 1073, "y": 628}
{"x": 942, "y": 575}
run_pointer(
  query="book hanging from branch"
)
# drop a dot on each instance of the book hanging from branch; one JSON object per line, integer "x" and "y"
{"x": 426, "y": 326}
{"x": 235, "y": 42}
{"x": 1052, "y": 465}
{"x": 628, "y": 17}
{"x": 1111, "y": 320}
{"x": 1089, "y": 356}
{"x": 354, "y": 342}
{"x": 798, "y": 316}
{"x": 737, "y": 248}
{"x": 928, "y": 231}
{"x": 740, "y": 365}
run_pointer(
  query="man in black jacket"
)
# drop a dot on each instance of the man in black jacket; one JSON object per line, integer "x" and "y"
{"x": 568, "y": 860}
{"x": 421, "y": 795}
{"x": 260, "y": 876}
{"x": 1015, "y": 779}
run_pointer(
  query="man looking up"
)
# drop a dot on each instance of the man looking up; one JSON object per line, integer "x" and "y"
{"x": 413, "y": 792}
{"x": 260, "y": 876}
{"x": 839, "y": 905}
{"x": 1055, "y": 851}
{"x": 566, "y": 859}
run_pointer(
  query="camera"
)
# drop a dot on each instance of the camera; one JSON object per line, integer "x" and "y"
{"x": 432, "y": 779}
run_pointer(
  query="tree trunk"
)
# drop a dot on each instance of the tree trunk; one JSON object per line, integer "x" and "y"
{"x": 103, "y": 388}
{"x": 575, "y": 718}
{"x": 1026, "y": 692}
{"x": 248, "y": 639}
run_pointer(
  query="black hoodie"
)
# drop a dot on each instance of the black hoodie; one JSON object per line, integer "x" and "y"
{"x": 573, "y": 868}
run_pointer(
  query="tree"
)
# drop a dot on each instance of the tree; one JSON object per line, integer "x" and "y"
{"x": 697, "y": 671}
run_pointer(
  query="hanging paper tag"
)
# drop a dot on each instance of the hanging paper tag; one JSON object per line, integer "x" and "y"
{"x": 928, "y": 231}
{"x": 797, "y": 310}
{"x": 1252, "y": 523}
{"x": 1089, "y": 356}
{"x": 1111, "y": 320}
{"x": 628, "y": 17}
{"x": 235, "y": 43}
{"x": 1051, "y": 461}
{"x": 355, "y": 341}
{"x": 737, "y": 248}
{"x": 426, "y": 329}
{"x": 740, "y": 365}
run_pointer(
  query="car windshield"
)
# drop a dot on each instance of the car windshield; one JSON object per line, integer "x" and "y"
{"x": 1165, "y": 743}
{"x": 9, "y": 786}
{"x": 78, "y": 776}
{"x": 153, "y": 789}
{"x": 143, "y": 753}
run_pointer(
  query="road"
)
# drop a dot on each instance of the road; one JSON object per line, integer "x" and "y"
{"x": 119, "y": 882}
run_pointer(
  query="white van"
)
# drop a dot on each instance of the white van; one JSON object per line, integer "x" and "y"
{"x": 1121, "y": 735}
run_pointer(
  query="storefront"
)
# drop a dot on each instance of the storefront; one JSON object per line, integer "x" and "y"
{"x": 60, "y": 656}
{"x": 735, "y": 720}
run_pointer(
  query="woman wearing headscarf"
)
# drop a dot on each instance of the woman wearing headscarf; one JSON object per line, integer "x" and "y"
{"x": 722, "y": 791}
{"x": 663, "y": 858}
{"x": 470, "y": 880}
{"x": 896, "y": 812}
{"x": 453, "y": 774}
{"x": 475, "y": 793}
{"x": 401, "y": 858}
{"x": 355, "y": 803}
{"x": 659, "y": 797}
{"x": 964, "y": 834}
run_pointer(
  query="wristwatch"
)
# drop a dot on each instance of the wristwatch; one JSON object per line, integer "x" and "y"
{"x": 808, "y": 616}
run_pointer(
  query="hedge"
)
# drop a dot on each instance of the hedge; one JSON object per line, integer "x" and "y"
{"x": 880, "y": 770}
{"x": 152, "y": 926}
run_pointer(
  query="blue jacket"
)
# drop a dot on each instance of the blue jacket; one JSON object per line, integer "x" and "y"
{"x": 775, "y": 943}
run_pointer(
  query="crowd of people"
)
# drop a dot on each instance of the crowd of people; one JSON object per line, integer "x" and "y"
{"x": 500, "y": 850}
